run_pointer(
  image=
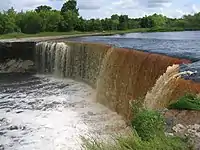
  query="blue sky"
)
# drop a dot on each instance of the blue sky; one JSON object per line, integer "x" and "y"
{"x": 105, "y": 8}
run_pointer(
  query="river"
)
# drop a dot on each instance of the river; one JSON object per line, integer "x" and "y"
{"x": 177, "y": 44}
{"x": 40, "y": 112}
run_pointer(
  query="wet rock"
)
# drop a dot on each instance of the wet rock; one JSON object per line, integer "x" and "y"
{"x": 179, "y": 128}
{"x": 90, "y": 113}
{"x": 169, "y": 134}
{"x": 8, "y": 110}
{"x": 190, "y": 131}
{"x": 17, "y": 66}
{"x": 13, "y": 128}
{"x": 2, "y": 147}
{"x": 169, "y": 123}
{"x": 19, "y": 111}
{"x": 22, "y": 127}
{"x": 2, "y": 133}
{"x": 2, "y": 119}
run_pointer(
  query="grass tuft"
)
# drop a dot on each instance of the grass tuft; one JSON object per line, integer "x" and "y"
{"x": 187, "y": 102}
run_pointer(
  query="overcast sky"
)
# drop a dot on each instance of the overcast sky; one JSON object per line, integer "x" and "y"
{"x": 105, "y": 8}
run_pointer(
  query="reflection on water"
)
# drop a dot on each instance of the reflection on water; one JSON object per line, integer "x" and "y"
{"x": 41, "y": 112}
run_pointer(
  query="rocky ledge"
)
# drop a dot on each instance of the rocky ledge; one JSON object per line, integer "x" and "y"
{"x": 17, "y": 66}
{"x": 185, "y": 124}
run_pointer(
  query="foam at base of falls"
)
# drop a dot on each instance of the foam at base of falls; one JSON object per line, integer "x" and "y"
{"x": 48, "y": 113}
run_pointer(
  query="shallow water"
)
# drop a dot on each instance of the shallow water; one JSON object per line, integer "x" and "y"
{"x": 45, "y": 113}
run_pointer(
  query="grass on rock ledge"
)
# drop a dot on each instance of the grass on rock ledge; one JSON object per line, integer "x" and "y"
{"x": 147, "y": 134}
{"x": 187, "y": 102}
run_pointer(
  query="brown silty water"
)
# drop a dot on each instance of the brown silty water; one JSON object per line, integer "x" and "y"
{"x": 118, "y": 75}
{"x": 62, "y": 108}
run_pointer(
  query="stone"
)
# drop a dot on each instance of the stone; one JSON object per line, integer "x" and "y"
{"x": 13, "y": 128}
{"x": 90, "y": 113}
{"x": 179, "y": 128}
{"x": 2, "y": 147}
{"x": 19, "y": 111}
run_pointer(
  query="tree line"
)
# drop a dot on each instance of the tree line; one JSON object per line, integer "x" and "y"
{"x": 46, "y": 19}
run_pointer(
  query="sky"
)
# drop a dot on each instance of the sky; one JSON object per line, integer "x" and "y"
{"x": 105, "y": 8}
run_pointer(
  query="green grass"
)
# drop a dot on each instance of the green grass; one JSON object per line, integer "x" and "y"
{"x": 133, "y": 142}
{"x": 147, "y": 134}
{"x": 77, "y": 33}
{"x": 44, "y": 34}
{"x": 187, "y": 102}
{"x": 69, "y": 34}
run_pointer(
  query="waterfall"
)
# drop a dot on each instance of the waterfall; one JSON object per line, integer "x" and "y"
{"x": 118, "y": 75}
{"x": 51, "y": 58}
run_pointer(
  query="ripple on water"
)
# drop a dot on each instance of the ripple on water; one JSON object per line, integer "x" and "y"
{"x": 41, "y": 112}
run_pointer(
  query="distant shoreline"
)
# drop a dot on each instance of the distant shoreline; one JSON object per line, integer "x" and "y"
{"x": 62, "y": 35}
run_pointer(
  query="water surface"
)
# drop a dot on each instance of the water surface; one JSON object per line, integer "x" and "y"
{"x": 177, "y": 44}
{"x": 45, "y": 113}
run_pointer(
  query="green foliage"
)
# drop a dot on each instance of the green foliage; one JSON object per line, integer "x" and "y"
{"x": 187, "y": 102}
{"x": 149, "y": 135}
{"x": 148, "y": 124}
{"x": 43, "y": 8}
{"x": 132, "y": 142}
{"x": 45, "y": 19}
{"x": 70, "y": 5}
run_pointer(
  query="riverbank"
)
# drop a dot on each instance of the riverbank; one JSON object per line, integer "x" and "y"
{"x": 68, "y": 34}
{"x": 60, "y": 35}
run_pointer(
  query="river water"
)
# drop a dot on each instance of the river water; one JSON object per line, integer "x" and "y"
{"x": 177, "y": 44}
{"x": 44, "y": 113}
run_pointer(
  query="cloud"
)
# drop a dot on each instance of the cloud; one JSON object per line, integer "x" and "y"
{"x": 5, "y": 4}
{"x": 88, "y": 4}
{"x": 195, "y": 9}
{"x": 105, "y": 8}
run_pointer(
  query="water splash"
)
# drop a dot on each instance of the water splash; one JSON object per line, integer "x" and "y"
{"x": 119, "y": 75}
{"x": 159, "y": 96}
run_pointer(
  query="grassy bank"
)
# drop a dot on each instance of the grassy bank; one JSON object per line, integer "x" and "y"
{"x": 42, "y": 34}
{"x": 68, "y": 34}
{"x": 77, "y": 33}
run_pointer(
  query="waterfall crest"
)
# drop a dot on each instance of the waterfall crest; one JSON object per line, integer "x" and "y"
{"x": 119, "y": 75}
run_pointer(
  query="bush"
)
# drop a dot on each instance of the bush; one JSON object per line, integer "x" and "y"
{"x": 187, "y": 102}
{"x": 148, "y": 124}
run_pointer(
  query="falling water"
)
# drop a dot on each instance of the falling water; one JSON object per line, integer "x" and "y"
{"x": 52, "y": 58}
{"x": 159, "y": 96}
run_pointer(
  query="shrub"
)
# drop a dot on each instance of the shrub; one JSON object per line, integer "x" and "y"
{"x": 187, "y": 102}
{"x": 148, "y": 124}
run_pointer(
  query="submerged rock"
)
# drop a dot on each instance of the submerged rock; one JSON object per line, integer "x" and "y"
{"x": 13, "y": 128}
{"x": 2, "y": 147}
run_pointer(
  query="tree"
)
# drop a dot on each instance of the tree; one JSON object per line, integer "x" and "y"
{"x": 43, "y": 8}
{"x": 31, "y": 22}
{"x": 69, "y": 21}
{"x": 115, "y": 22}
{"x": 123, "y": 22}
{"x": 158, "y": 20}
{"x": 70, "y": 5}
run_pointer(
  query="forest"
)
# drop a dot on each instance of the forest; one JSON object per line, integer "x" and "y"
{"x": 46, "y": 19}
